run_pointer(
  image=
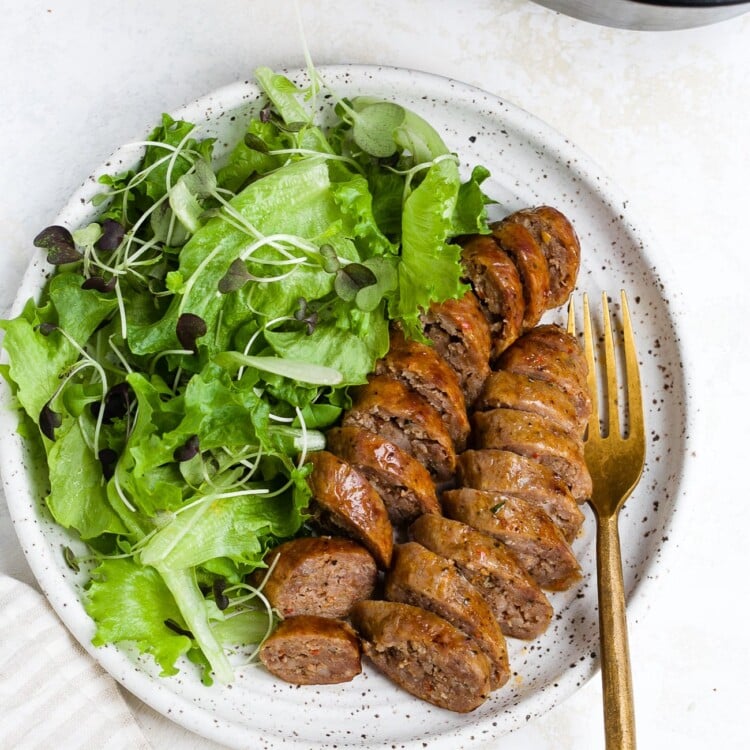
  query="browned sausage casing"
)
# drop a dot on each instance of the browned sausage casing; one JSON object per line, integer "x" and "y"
{"x": 516, "y": 600}
{"x": 422, "y": 578}
{"x": 497, "y": 284}
{"x": 346, "y": 500}
{"x": 529, "y": 533}
{"x": 532, "y": 267}
{"x": 387, "y": 407}
{"x": 509, "y": 390}
{"x": 422, "y": 369}
{"x": 549, "y": 353}
{"x": 461, "y": 335}
{"x": 559, "y": 243}
{"x": 322, "y": 576}
{"x": 424, "y": 654}
{"x": 310, "y": 650}
{"x": 404, "y": 484}
{"x": 532, "y": 436}
{"x": 511, "y": 473}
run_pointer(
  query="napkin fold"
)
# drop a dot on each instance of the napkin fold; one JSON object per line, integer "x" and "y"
{"x": 52, "y": 693}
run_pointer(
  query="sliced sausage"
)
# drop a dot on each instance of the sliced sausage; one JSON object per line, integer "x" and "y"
{"x": 516, "y": 600}
{"x": 511, "y": 473}
{"x": 529, "y": 533}
{"x": 387, "y": 407}
{"x": 509, "y": 390}
{"x": 345, "y": 500}
{"x": 322, "y": 576}
{"x": 529, "y": 259}
{"x": 404, "y": 484}
{"x": 549, "y": 353}
{"x": 427, "y": 580}
{"x": 311, "y": 650}
{"x": 422, "y": 369}
{"x": 461, "y": 335}
{"x": 497, "y": 285}
{"x": 424, "y": 654}
{"x": 559, "y": 242}
{"x": 532, "y": 436}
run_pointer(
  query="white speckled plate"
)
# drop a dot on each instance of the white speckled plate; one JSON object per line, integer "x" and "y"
{"x": 530, "y": 164}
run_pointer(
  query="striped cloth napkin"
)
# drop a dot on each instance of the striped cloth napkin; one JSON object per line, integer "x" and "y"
{"x": 52, "y": 693}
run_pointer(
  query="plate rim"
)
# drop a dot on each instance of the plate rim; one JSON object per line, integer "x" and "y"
{"x": 152, "y": 691}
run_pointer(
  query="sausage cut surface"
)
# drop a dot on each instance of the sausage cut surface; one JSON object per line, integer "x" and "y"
{"x": 310, "y": 650}
{"x": 532, "y": 436}
{"x": 550, "y": 353}
{"x": 404, "y": 484}
{"x": 558, "y": 240}
{"x": 387, "y": 407}
{"x": 516, "y": 600}
{"x": 422, "y": 578}
{"x": 509, "y": 390}
{"x": 424, "y": 654}
{"x": 532, "y": 267}
{"x": 497, "y": 285}
{"x": 461, "y": 334}
{"x": 535, "y": 541}
{"x": 322, "y": 576}
{"x": 423, "y": 370}
{"x": 513, "y": 474}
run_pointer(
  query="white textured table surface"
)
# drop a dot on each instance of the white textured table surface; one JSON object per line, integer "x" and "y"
{"x": 667, "y": 116}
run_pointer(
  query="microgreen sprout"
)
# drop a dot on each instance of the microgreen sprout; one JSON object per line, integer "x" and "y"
{"x": 58, "y": 241}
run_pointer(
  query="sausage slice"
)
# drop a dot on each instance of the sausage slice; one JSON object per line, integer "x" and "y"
{"x": 559, "y": 242}
{"x": 387, "y": 407}
{"x": 497, "y": 285}
{"x": 310, "y": 650}
{"x": 424, "y": 654}
{"x": 513, "y": 474}
{"x": 524, "y": 528}
{"x": 422, "y": 369}
{"x": 532, "y": 436}
{"x": 322, "y": 576}
{"x": 345, "y": 500}
{"x": 516, "y": 600}
{"x": 461, "y": 335}
{"x": 549, "y": 353}
{"x": 403, "y": 483}
{"x": 427, "y": 580}
{"x": 509, "y": 390}
{"x": 529, "y": 259}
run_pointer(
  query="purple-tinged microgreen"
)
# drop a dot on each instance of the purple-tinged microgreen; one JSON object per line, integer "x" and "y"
{"x": 235, "y": 278}
{"x": 99, "y": 284}
{"x": 49, "y": 421}
{"x": 108, "y": 460}
{"x": 221, "y": 599}
{"x": 351, "y": 278}
{"x": 190, "y": 328}
{"x": 306, "y": 316}
{"x": 59, "y": 244}
{"x": 113, "y": 234}
{"x": 46, "y": 328}
{"x": 189, "y": 449}
{"x": 175, "y": 627}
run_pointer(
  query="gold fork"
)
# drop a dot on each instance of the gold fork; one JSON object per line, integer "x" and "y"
{"x": 616, "y": 464}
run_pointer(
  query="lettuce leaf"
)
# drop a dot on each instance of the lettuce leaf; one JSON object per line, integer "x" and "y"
{"x": 430, "y": 268}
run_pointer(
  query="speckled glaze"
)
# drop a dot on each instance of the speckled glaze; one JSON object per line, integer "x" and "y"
{"x": 530, "y": 165}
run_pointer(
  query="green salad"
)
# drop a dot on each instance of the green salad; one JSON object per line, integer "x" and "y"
{"x": 196, "y": 340}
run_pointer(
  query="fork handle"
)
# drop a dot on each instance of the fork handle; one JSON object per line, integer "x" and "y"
{"x": 617, "y": 682}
